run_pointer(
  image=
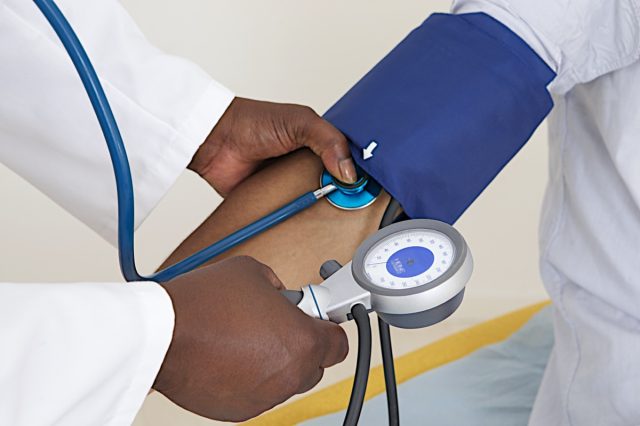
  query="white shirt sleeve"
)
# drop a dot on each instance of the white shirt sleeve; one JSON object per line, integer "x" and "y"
{"x": 579, "y": 39}
{"x": 80, "y": 354}
{"x": 165, "y": 107}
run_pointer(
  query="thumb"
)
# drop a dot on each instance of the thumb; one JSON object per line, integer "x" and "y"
{"x": 335, "y": 344}
{"x": 332, "y": 147}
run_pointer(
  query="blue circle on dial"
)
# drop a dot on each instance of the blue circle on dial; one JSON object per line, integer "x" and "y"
{"x": 410, "y": 262}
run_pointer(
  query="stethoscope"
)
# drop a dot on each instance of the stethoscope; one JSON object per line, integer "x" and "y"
{"x": 342, "y": 195}
{"x": 412, "y": 273}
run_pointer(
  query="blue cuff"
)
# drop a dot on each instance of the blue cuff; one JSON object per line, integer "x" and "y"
{"x": 448, "y": 108}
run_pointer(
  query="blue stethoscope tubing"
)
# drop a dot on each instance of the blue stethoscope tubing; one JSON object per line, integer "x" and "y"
{"x": 122, "y": 170}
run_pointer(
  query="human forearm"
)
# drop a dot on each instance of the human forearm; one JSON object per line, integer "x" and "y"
{"x": 296, "y": 248}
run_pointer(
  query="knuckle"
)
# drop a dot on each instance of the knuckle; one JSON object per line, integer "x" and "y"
{"x": 294, "y": 383}
{"x": 316, "y": 379}
{"x": 250, "y": 265}
{"x": 246, "y": 261}
{"x": 307, "y": 111}
{"x": 265, "y": 271}
{"x": 246, "y": 415}
{"x": 334, "y": 142}
{"x": 309, "y": 119}
{"x": 337, "y": 145}
{"x": 245, "y": 258}
{"x": 240, "y": 417}
{"x": 343, "y": 346}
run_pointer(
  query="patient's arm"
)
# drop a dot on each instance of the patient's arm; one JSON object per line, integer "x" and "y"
{"x": 295, "y": 249}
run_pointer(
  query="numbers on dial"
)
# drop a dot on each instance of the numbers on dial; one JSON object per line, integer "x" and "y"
{"x": 412, "y": 257}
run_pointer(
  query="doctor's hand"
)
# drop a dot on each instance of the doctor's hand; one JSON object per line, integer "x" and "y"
{"x": 251, "y": 132}
{"x": 239, "y": 347}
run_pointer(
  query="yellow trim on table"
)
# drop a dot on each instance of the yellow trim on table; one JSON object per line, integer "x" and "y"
{"x": 334, "y": 398}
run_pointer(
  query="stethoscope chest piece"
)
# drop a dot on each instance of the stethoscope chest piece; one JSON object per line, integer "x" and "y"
{"x": 351, "y": 196}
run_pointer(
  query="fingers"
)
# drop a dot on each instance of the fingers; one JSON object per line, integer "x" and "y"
{"x": 273, "y": 278}
{"x": 330, "y": 145}
{"x": 248, "y": 262}
{"x": 336, "y": 344}
{"x": 330, "y": 347}
{"x": 311, "y": 381}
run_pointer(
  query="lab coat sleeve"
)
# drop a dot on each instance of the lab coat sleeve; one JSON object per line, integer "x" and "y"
{"x": 579, "y": 40}
{"x": 165, "y": 106}
{"x": 80, "y": 354}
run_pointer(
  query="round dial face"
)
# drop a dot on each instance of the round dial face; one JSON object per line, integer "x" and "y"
{"x": 409, "y": 258}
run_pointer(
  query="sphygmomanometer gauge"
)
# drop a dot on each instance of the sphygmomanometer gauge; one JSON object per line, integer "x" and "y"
{"x": 415, "y": 270}
{"x": 412, "y": 274}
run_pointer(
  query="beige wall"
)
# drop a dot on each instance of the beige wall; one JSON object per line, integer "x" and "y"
{"x": 286, "y": 50}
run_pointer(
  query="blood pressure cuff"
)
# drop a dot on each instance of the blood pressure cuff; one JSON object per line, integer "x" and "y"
{"x": 448, "y": 108}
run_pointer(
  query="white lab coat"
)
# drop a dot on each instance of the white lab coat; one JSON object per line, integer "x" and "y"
{"x": 80, "y": 354}
{"x": 590, "y": 229}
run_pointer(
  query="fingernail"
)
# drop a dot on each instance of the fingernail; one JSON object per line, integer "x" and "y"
{"x": 347, "y": 170}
